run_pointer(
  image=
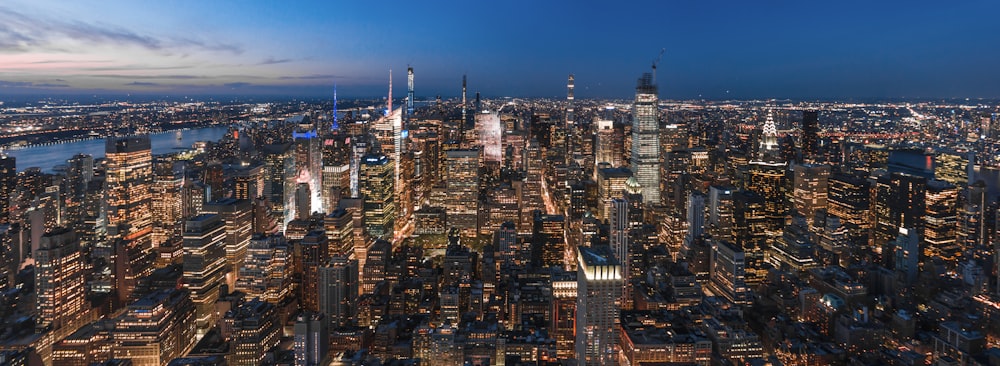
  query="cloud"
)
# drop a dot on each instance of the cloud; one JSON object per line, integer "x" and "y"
{"x": 312, "y": 77}
{"x": 28, "y": 84}
{"x": 147, "y": 77}
{"x": 272, "y": 61}
{"x": 142, "y": 83}
{"x": 236, "y": 85}
{"x": 22, "y": 32}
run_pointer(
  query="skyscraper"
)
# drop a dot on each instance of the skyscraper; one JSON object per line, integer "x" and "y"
{"x": 205, "y": 266}
{"x": 810, "y": 134}
{"x": 409, "y": 92}
{"x": 599, "y": 286}
{"x": 378, "y": 192}
{"x": 645, "y": 160}
{"x": 311, "y": 339}
{"x": 810, "y": 190}
{"x": 618, "y": 238}
{"x": 462, "y": 204}
{"x": 338, "y": 289}
{"x": 59, "y": 280}
{"x": 238, "y": 218}
{"x": 727, "y": 271}
{"x": 267, "y": 270}
{"x": 8, "y": 179}
{"x": 128, "y": 179}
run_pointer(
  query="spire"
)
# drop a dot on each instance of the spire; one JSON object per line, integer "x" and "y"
{"x": 389, "y": 109}
{"x": 335, "y": 126}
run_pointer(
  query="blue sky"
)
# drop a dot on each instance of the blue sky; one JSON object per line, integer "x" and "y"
{"x": 714, "y": 49}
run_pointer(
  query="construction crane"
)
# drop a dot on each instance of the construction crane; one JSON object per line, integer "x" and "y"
{"x": 657, "y": 61}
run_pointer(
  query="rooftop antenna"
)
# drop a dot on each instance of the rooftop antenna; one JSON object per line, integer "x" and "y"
{"x": 335, "y": 126}
{"x": 390, "y": 93}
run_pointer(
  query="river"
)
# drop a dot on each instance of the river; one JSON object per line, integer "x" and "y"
{"x": 48, "y": 156}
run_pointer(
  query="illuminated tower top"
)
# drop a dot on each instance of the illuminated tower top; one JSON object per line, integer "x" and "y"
{"x": 409, "y": 92}
{"x": 335, "y": 126}
{"x": 769, "y": 136}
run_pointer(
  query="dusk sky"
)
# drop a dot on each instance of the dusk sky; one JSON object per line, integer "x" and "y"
{"x": 714, "y": 49}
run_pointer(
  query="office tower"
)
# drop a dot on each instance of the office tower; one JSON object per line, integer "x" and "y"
{"x": 490, "y": 130}
{"x": 378, "y": 192}
{"x": 339, "y": 225}
{"x": 610, "y": 140}
{"x": 768, "y": 181}
{"x": 8, "y": 180}
{"x": 572, "y": 148}
{"x": 618, "y": 235}
{"x": 267, "y": 270}
{"x": 158, "y": 327}
{"x": 564, "y": 302}
{"x": 610, "y": 184}
{"x": 809, "y": 190}
{"x": 437, "y": 346}
{"x": 599, "y": 287}
{"x": 128, "y": 179}
{"x": 549, "y": 236}
{"x": 336, "y": 169}
{"x": 810, "y": 134}
{"x": 849, "y": 198}
{"x": 279, "y": 172}
{"x": 972, "y": 224}
{"x": 338, "y": 289}
{"x": 315, "y": 252}
{"x": 252, "y": 328}
{"x": 237, "y": 215}
{"x": 696, "y": 214}
{"x": 906, "y": 251}
{"x": 955, "y": 167}
{"x": 59, "y": 281}
{"x": 249, "y": 182}
{"x": 167, "y": 203}
{"x": 941, "y": 221}
{"x": 462, "y": 182}
{"x": 79, "y": 174}
{"x": 311, "y": 339}
{"x": 720, "y": 212}
{"x": 727, "y": 272}
{"x": 214, "y": 178}
{"x": 205, "y": 266}
{"x": 645, "y": 159}
{"x": 465, "y": 119}
{"x": 899, "y": 202}
{"x": 912, "y": 162}
{"x": 409, "y": 92}
{"x": 376, "y": 262}
{"x": 794, "y": 250}
{"x": 506, "y": 244}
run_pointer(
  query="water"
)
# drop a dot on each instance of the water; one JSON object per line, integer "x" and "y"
{"x": 49, "y": 156}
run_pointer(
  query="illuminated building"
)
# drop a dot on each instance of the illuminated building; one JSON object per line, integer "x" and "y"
{"x": 167, "y": 204}
{"x": 279, "y": 172}
{"x": 727, "y": 272}
{"x": 564, "y": 302}
{"x": 793, "y": 251}
{"x": 768, "y": 181}
{"x": 619, "y": 229}
{"x": 721, "y": 211}
{"x": 128, "y": 179}
{"x": 599, "y": 287}
{"x": 911, "y": 162}
{"x": 379, "y": 198}
{"x": 375, "y": 265}
{"x": 462, "y": 182}
{"x": 309, "y": 162}
{"x": 8, "y": 180}
{"x": 267, "y": 270}
{"x": 941, "y": 221}
{"x": 88, "y": 345}
{"x": 338, "y": 290}
{"x": 336, "y": 170}
{"x": 311, "y": 340}
{"x": 156, "y": 328}
{"x": 645, "y": 159}
{"x": 549, "y": 234}
{"x": 253, "y": 329}
{"x": 906, "y": 253}
{"x": 900, "y": 201}
{"x": 205, "y": 266}
{"x": 954, "y": 167}
{"x": 249, "y": 182}
{"x": 809, "y": 191}
{"x": 237, "y": 214}
{"x": 339, "y": 225}
{"x": 649, "y": 340}
{"x": 437, "y": 346}
{"x": 59, "y": 281}
{"x": 490, "y": 130}
{"x": 610, "y": 184}
{"x": 609, "y": 142}
{"x": 958, "y": 344}
{"x": 849, "y": 198}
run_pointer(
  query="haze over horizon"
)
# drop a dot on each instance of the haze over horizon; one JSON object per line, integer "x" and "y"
{"x": 720, "y": 49}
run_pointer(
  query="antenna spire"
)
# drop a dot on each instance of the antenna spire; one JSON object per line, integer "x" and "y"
{"x": 390, "y": 93}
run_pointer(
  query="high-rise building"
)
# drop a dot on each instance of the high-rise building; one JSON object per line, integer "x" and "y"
{"x": 267, "y": 270}
{"x": 338, "y": 290}
{"x": 127, "y": 184}
{"x": 315, "y": 252}
{"x": 618, "y": 235}
{"x": 462, "y": 182}
{"x": 900, "y": 201}
{"x": 378, "y": 192}
{"x": 906, "y": 250}
{"x": 645, "y": 159}
{"x": 311, "y": 339}
{"x": 339, "y": 225}
{"x": 849, "y": 198}
{"x": 167, "y": 203}
{"x": 8, "y": 180}
{"x": 809, "y": 190}
{"x": 154, "y": 329}
{"x": 599, "y": 287}
{"x": 721, "y": 211}
{"x": 609, "y": 145}
{"x": 59, "y": 280}
{"x": 727, "y": 272}
{"x": 941, "y": 221}
{"x": 205, "y": 266}
{"x": 252, "y": 328}
{"x": 279, "y": 174}
{"x": 309, "y": 162}
{"x": 610, "y": 184}
{"x": 810, "y": 134}
{"x": 238, "y": 217}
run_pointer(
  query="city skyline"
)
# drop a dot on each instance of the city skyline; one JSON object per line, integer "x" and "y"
{"x": 721, "y": 50}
